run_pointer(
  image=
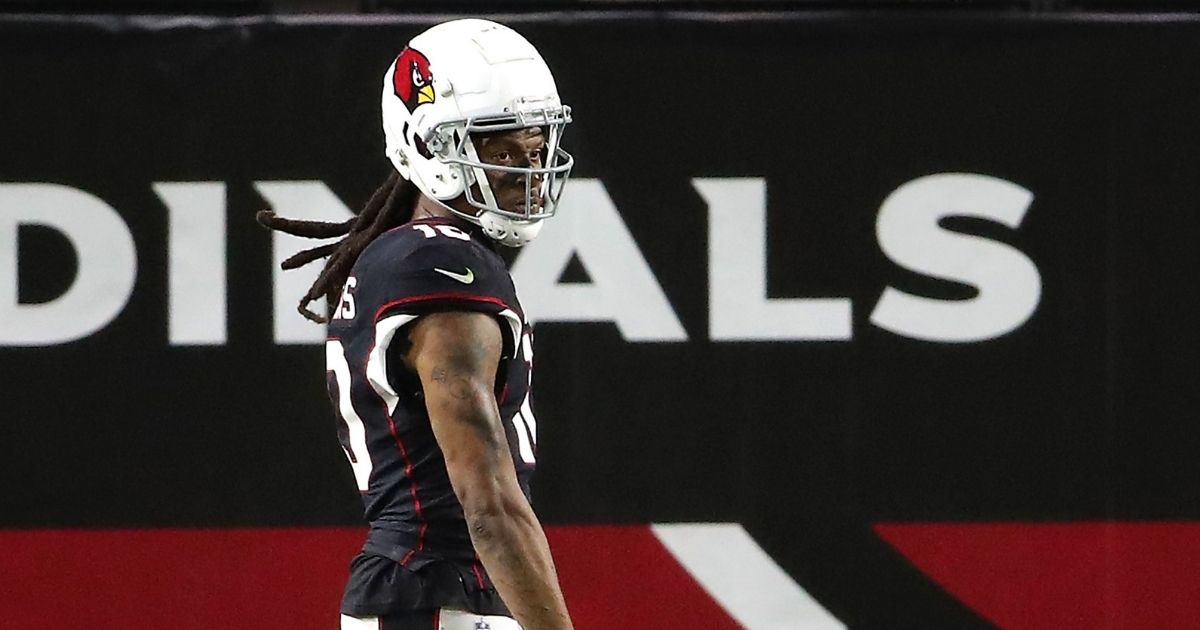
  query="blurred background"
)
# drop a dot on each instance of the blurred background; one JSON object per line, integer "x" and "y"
{"x": 856, "y": 313}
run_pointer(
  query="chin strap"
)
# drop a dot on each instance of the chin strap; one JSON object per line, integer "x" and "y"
{"x": 509, "y": 232}
{"x": 504, "y": 230}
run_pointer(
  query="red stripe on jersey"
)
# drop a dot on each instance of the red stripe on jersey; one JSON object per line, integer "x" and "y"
{"x": 447, "y": 295}
{"x": 478, "y": 574}
{"x": 408, "y": 470}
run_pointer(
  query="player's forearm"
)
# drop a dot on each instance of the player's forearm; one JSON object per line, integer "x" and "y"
{"x": 512, "y": 546}
{"x": 456, "y": 355}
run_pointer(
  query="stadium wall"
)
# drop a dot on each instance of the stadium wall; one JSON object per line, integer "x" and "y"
{"x": 848, "y": 320}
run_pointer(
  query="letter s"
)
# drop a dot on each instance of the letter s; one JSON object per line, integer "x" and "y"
{"x": 1008, "y": 281}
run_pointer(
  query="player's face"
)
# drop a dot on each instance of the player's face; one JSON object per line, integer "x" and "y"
{"x": 520, "y": 147}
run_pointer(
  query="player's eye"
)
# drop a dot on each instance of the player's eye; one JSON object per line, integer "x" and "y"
{"x": 502, "y": 156}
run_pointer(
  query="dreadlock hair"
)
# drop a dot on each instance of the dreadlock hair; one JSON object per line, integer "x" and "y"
{"x": 390, "y": 206}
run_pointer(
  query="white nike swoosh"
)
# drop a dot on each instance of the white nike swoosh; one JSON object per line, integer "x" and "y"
{"x": 465, "y": 278}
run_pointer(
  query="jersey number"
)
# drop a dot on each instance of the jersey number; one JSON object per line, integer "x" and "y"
{"x": 431, "y": 231}
{"x": 345, "y": 309}
{"x": 524, "y": 422}
{"x": 356, "y": 446}
{"x": 356, "y": 449}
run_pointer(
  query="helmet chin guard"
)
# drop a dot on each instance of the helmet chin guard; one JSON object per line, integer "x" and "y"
{"x": 454, "y": 82}
{"x": 507, "y": 231}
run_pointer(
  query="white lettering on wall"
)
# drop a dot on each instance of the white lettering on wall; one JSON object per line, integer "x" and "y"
{"x": 738, "y": 307}
{"x": 623, "y": 289}
{"x": 306, "y": 200}
{"x": 103, "y": 247}
{"x": 1008, "y": 282}
{"x": 196, "y": 285}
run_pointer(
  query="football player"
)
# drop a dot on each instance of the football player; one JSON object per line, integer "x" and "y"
{"x": 429, "y": 355}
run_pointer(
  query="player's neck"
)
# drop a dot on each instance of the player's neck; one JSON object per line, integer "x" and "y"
{"x": 428, "y": 207}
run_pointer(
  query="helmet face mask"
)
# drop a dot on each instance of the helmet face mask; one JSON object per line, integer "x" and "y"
{"x": 543, "y": 184}
{"x": 465, "y": 80}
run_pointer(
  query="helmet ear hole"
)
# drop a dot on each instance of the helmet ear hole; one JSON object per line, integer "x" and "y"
{"x": 419, "y": 144}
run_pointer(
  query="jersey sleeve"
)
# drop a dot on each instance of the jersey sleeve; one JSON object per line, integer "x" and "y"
{"x": 444, "y": 274}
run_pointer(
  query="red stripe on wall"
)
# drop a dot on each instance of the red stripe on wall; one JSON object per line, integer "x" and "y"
{"x": 292, "y": 578}
{"x": 174, "y": 578}
{"x": 1033, "y": 576}
{"x": 622, "y": 577}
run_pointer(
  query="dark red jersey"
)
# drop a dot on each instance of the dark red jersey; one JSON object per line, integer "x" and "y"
{"x": 418, "y": 553}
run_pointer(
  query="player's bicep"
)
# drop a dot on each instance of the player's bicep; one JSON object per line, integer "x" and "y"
{"x": 456, "y": 355}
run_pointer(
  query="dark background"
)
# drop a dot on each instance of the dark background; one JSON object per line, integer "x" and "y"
{"x": 1087, "y": 412}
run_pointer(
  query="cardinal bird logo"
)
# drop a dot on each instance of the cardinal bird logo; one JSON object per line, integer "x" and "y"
{"x": 412, "y": 80}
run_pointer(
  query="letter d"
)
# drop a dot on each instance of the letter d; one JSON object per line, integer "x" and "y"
{"x": 107, "y": 264}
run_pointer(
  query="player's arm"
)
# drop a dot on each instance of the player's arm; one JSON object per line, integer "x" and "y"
{"x": 456, "y": 355}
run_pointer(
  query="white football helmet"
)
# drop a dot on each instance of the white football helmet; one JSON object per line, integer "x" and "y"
{"x": 468, "y": 77}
